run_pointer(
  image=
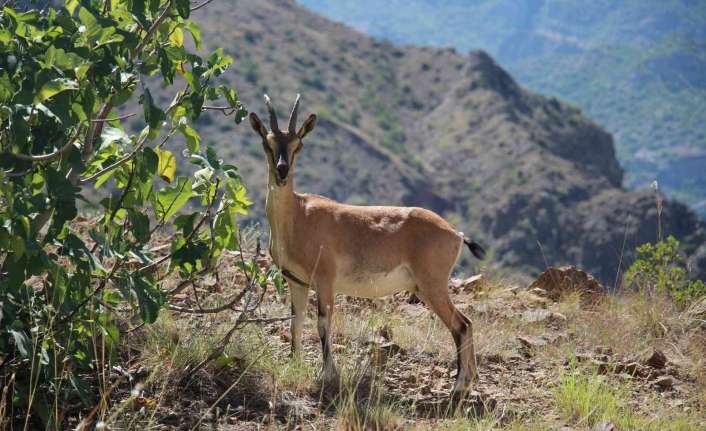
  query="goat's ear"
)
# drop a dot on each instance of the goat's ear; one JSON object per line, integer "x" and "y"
{"x": 307, "y": 127}
{"x": 257, "y": 126}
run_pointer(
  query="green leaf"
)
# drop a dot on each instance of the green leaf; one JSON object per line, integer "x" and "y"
{"x": 140, "y": 225}
{"x": 150, "y": 299}
{"x": 91, "y": 29}
{"x": 183, "y": 7}
{"x": 17, "y": 245}
{"x": 113, "y": 135}
{"x": 195, "y": 31}
{"x": 54, "y": 87}
{"x": 22, "y": 342}
{"x": 170, "y": 199}
{"x": 153, "y": 115}
{"x": 193, "y": 140}
{"x": 237, "y": 194}
{"x": 71, "y": 6}
{"x": 167, "y": 165}
{"x": 185, "y": 222}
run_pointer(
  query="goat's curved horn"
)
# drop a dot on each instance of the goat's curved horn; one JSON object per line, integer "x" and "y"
{"x": 292, "y": 126}
{"x": 273, "y": 116}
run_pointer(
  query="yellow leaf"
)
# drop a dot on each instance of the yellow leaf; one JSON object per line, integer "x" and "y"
{"x": 167, "y": 165}
{"x": 177, "y": 37}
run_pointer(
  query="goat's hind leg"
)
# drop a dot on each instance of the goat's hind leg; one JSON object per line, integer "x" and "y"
{"x": 461, "y": 330}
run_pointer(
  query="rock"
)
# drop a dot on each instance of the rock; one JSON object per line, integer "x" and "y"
{"x": 494, "y": 358}
{"x": 583, "y": 357}
{"x": 536, "y": 341}
{"x": 385, "y": 332}
{"x": 665, "y": 382}
{"x": 602, "y": 367}
{"x": 558, "y": 281}
{"x": 474, "y": 283}
{"x": 536, "y": 315}
{"x": 391, "y": 348}
{"x": 657, "y": 360}
{"x": 603, "y": 350}
{"x": 290, "y": 405}
{"x": 631, "y": 368}
{"x": 439, "y": 372}
{"x": 605, "y": 426}
{"x": 480, "y": 308}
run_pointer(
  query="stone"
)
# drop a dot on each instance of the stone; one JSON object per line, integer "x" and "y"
{"x": 665, "y": 382}
{"x": 385, "y": 332}
{"x": 536, "y": 315}
{"x": 657, "y": 360}
{"x": 558, "y": 281}
{"x": 632, "y": 368}
{"x": 536, "y": 341}
{"x": 603, "y": 350}
{"x": 605, "y": 426}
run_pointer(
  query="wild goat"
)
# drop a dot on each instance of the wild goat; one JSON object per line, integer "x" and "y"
{"x": 363, "y": 251}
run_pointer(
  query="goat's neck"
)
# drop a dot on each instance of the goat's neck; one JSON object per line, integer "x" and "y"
{"x": 280, "y": 206}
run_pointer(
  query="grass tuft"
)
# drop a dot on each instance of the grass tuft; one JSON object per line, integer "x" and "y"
{"x": 588, "y": 400}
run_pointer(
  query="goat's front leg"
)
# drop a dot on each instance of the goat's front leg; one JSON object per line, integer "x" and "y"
{"x": 300, "y": 297}
{"x": 325, "y": 306}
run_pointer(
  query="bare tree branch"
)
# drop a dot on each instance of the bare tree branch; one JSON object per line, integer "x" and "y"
{"x": 152, "y": 29}
{"x": 199, "y": 6}
{"x": 122, "y": 117}
{"x": 225, "y": 110}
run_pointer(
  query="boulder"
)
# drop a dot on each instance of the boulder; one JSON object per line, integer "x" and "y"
{"x": 555, "y": 282}
{"x": 656, "y": 360}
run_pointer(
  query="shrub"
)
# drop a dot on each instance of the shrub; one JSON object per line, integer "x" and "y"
{"x": 660, "y": 268}
{"x": 64, "y": 75}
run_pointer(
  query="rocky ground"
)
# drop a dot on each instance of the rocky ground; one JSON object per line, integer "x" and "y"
{"x": 583, "y": 359}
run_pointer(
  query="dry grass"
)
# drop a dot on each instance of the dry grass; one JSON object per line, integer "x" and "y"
{"x": 589, "y": 400}
{"x": 256, "y": 382}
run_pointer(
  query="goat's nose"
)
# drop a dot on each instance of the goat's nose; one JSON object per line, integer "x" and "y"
{"x": 282, "y": 168}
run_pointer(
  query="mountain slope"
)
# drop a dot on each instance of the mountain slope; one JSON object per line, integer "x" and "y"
{"x": 635, "y": 66}
{"x": 527, "y": 175}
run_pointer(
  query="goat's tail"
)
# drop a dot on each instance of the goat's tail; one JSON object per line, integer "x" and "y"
{"x": 475, "y": 248}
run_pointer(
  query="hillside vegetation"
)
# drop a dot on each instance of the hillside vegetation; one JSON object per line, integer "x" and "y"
{"x": 528, "y": 175}
{"x": 636, "y": 66}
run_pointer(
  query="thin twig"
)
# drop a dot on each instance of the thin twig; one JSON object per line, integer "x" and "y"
{"x": 230, "y": 388}
{"x": 51, "y": 156}
{"x": 226, "y": 306}
{"x": 199, "y": 6}
{"x": 122, "y": 117}
{"x": 97, "y": 129}
{"x": 123, "y": 194}
{"x": 100, "y": 287}
{"x": 225, "y": 110}
{"x": 11, "y": 174}
{"x": 111, "y": 166}
{"x": 268, "y": 319}
{"x": 152, "y": 29}
{"x": 161, "y": 260}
